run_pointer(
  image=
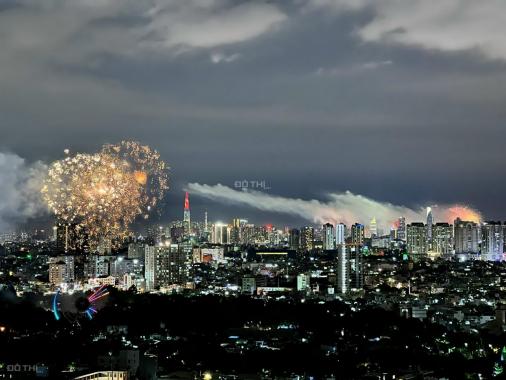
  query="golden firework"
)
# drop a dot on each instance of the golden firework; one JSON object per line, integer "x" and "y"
{"x": 141, "y": 177}
{"x": 150, "y": 171}
{"x": 104, "y": 192}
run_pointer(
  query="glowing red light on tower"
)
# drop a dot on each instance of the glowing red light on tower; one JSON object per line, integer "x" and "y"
{"x": 187, "y": 201}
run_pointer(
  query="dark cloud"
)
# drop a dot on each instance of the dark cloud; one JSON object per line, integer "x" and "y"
{"x": 401, "y": 103}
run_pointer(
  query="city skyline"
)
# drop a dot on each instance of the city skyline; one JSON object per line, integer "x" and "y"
{"x": 252, "y": 189}
{"x": 283, "y": 212}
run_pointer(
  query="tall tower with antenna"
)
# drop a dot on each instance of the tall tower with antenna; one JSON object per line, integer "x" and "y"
{"x": 186, "y": 214}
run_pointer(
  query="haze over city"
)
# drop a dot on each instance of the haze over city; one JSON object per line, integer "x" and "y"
{"x": 313, "y": 97}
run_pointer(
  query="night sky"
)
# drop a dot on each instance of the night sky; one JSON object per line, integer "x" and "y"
{"x": 400, "y": 101}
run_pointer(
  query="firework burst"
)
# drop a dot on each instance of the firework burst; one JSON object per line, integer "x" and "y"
{"x": 149, "y": 171}
{"x": 104, "y": 192}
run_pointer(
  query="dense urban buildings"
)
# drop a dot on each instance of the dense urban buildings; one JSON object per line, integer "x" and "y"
{"x": 446, "y": 276}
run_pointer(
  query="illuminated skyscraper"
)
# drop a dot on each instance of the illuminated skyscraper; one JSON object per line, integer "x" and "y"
{"x": 61, "y": 270}
{"x": 430, "y": 222}
{"x": 186, "y": 215}
{"x": 165, "y": 266}
{"x": 373, "y": 227}
{"x": 220, "y": 234}
{"x": 307, "y": 238}
{"x": 340, "y": 234}
{"x": 343, "y": 269}
{"x": 492, "y": 239}
{"x": 467, "y": 236}
{"x": 442, "y": 238}
{"x": 357, "y": 234}
{"x": 137, "y": 251}
{"x": 235, "y": 231}
{"x": 328, "y": 237}
{"x": 401, "y": 229}
{"x": 247, "y": 232}
{"x": 150, "y": 267}
{"x": 357, "y": 267}
{"x": 173, "y": 265}
{"x": 57, "y": 272}
{"x": 416, "y": 240}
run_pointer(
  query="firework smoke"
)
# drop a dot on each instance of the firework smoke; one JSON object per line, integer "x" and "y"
{"x": 19, "y": 188}
{"x": 104, "y": 192}
{"x": 344, "y": 207}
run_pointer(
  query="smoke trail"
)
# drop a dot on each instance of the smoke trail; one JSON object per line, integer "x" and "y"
{"x": 344, "y": 207}
{"x": 20, "y": 185}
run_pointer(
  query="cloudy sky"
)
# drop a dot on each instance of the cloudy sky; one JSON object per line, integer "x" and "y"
{"x": 401, "y": 101}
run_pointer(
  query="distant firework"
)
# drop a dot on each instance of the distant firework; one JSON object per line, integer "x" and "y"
{"x": 462, "y": 212}
{"x": 104, "y": 192}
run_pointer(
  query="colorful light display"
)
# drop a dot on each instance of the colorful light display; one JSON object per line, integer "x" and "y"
{"x": 104, "y": 192}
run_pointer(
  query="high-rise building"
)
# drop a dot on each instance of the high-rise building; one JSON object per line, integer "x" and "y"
{"x": 166, "y": 265}
{"x": 416, "y": 240}
{"x": 150, "y": 267}
{"x": 235, "y": 231}
{"x": 294, "y": 239}
{"x": 467, "y": 236}
{"x": 137, "y": 251}
{"x": 61, "y": 270}
{"x": 442, "y": 238}
{"x": 343, "y": 269}
{"x": 357, "y": 267}
{"x": 247, "y": 232}
{"x": 186, "y": 215}
{"x": 430, "y": 223}
{"x": 373, "y": 228}
{"x": 155, "y": 234}
{"x": 274, "y": 236}
{"x": 172, "y": 265}
{"x": 123, "y": 265}
{"x": 357, "y": 234}
{"x": 56, "y": 272}
{"x": 340, "y": 234}
{"x": 401, "y": 228}
{"x": 492, "y": 238}
{"x": 220, "y": 234}
{"x": 328, "y": 237}
{"x": 97, "y": 266}
{"x": 307, "y": 238}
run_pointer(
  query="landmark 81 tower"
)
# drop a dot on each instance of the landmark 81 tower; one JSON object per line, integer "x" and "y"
{"x": 186, "y": 215}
